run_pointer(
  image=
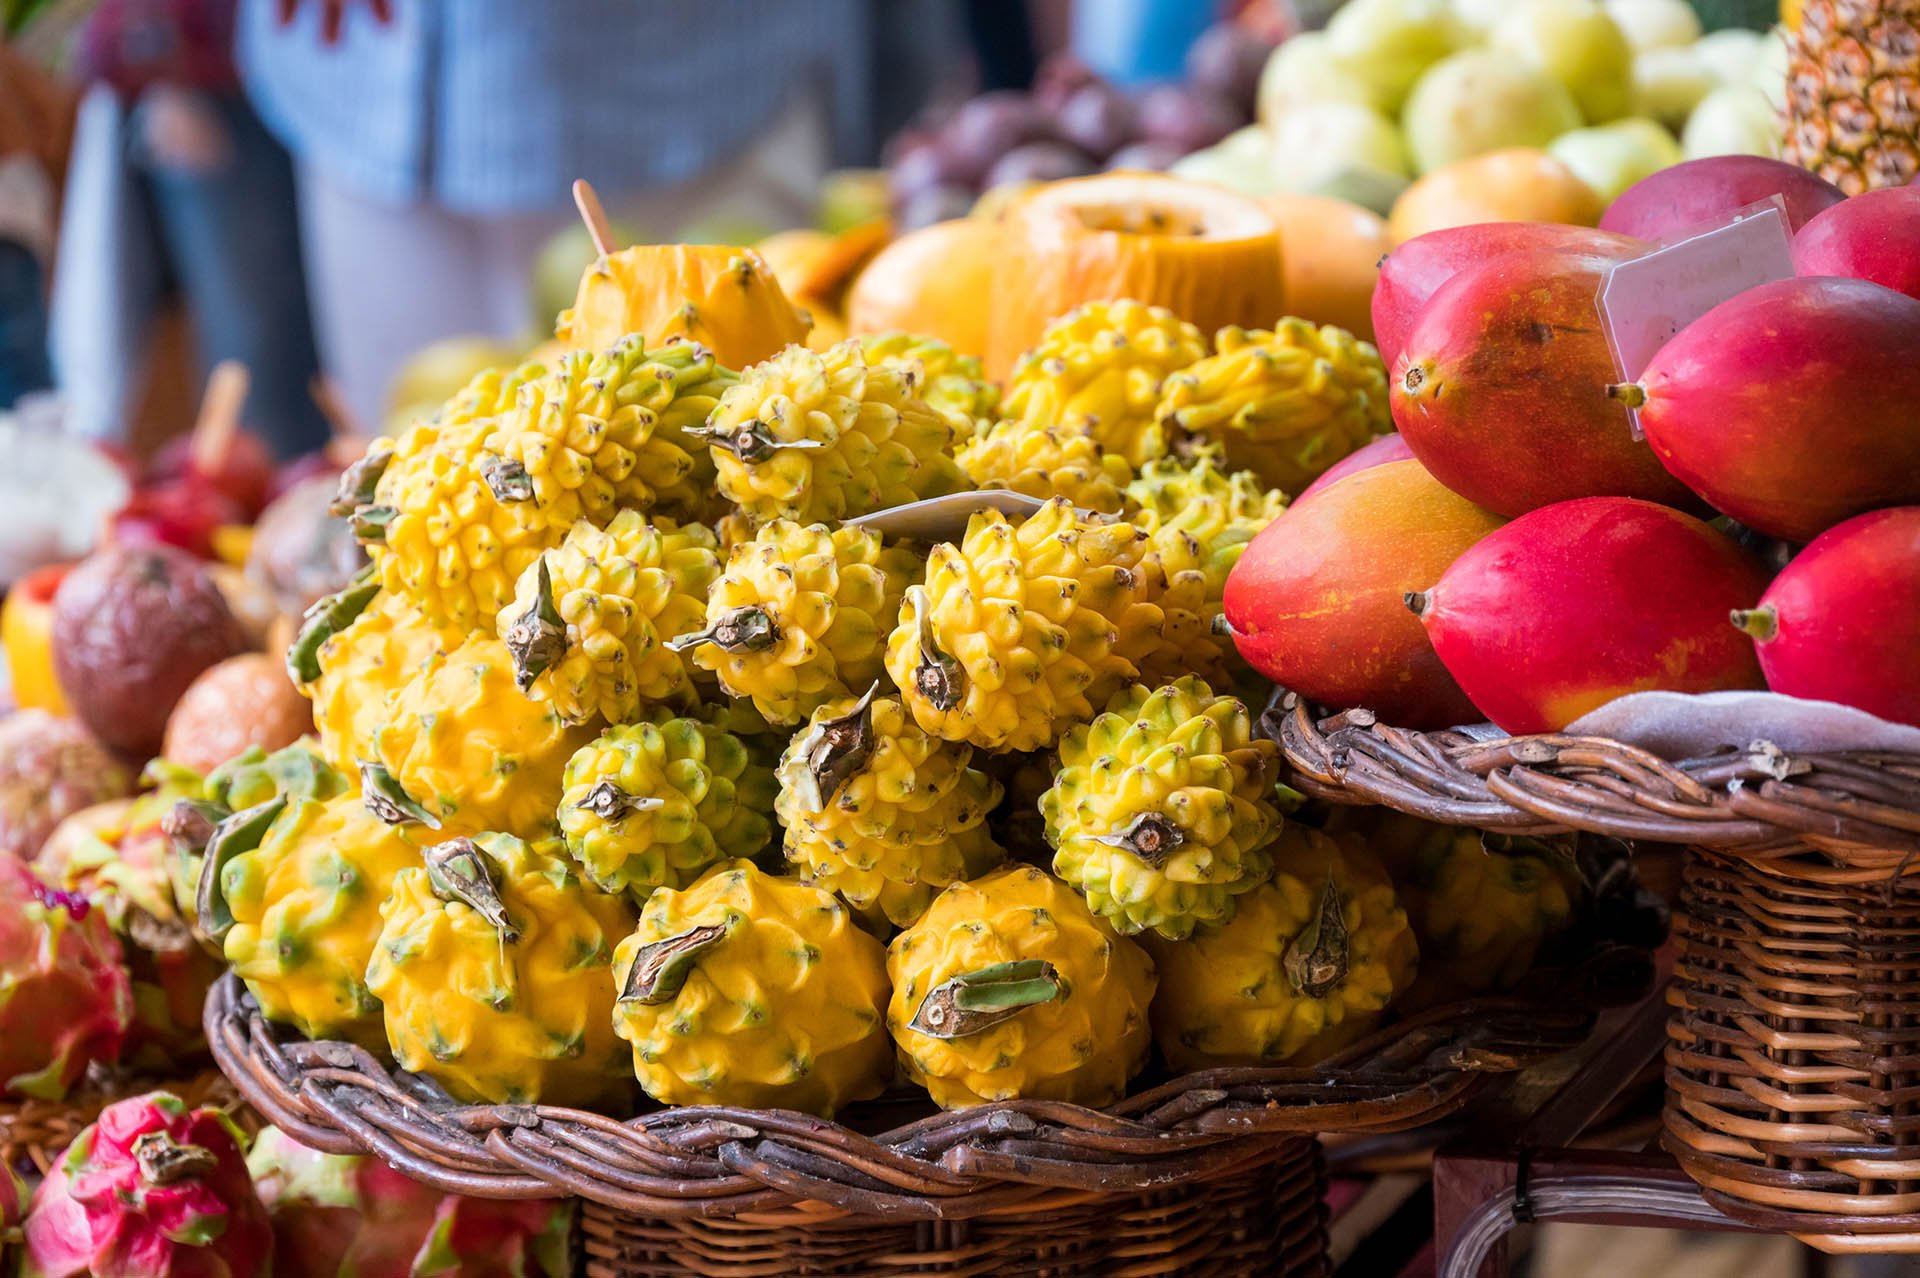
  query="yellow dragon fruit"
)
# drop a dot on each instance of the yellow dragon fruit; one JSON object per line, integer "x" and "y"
{"x": 949, "y": 381}
{"x": 492, "y": 969}
{"x": 356, "y": 650}
{"x": 1009, "y": 987}
{"x": 1044, "y": 460}
{"x": 746, "y": 989}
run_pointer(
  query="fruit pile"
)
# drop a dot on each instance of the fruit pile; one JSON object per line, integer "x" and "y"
{"x": 1073, "y": 123}
{"x": 1548, "y": 558}
{"x": 1593, "y": 93}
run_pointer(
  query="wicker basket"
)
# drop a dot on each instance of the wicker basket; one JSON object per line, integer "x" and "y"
{"x": 1841, "y": 818}
{"x": 1793, "y": 1058}
{"x": 34, "y": 1132}
{"x": 1209, "y": 1173}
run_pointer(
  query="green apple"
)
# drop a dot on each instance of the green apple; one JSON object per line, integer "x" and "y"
{"x": 1731, "y": 54}
{"x": 1770, "y": 70}
{"x": 1369, "y": 188}
{"x": 1576, "y": 43}
{"x": 1306, "y": 69}
{"x": 1612, "y": 157}
{"x": 1314, "y": 143}
{"x": 1655, "y": 24}
{"x": 1669, "y": 83}
{"x": 1391, "y": 42}
{"x": 1478, "y": 16}
{"x": 1236, "y": 168}
{"x": 850, "y": 197}
{"x": 1735, "y": 120}
{"x": 1481, "y": 101}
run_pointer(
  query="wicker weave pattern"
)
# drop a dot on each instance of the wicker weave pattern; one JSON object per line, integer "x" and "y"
{"x": 1860, "y": 812}
{"x": 1793, "y": 1059}
{"x": 712, "y": 1162}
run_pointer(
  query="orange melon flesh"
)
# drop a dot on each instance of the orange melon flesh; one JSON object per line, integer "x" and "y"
{"x": 1208, "y": 255}
{"x": 724, "y": 297}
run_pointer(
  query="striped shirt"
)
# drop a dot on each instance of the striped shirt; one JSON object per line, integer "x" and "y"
{"x": 495, "y": 106}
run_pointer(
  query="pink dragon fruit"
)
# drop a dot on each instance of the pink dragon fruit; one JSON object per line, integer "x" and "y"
{"x": 337, "y": 1216}
{"x": 50, "y": 768}
{"x": 151, "y": 1190}
{"x": 65, "y": 997}
{"x": 13, "y": 1209}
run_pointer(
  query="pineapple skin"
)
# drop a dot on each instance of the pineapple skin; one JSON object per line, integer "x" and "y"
{"x": 306, "y": 908}
{"x": 1185, "y": 757}
{"x": 1226, "y": 997}
{"x": 785, "y": 1012}
{"x": 1082, "y": 1047}
{"x": 501, "y": 1021}
{"x": 1853, "y": 92}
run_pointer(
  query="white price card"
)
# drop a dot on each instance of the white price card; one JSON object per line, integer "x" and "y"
{"x": 1645, "y": 301}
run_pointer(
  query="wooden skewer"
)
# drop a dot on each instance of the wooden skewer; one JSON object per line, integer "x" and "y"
{"x": 593, "y": 215}
{"x": 346, "y": 439}
{"x": 219, "y": 419}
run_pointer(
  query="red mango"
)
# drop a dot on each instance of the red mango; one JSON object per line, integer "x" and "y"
{"x": 1414, "y": 271}
{"x": 1387, "y": 448}
{"x": 1710, "y": 190}
{"x": 1842, "y": 621}
{"x": 1316, "y": 600}
{"x": 1793, "y": 405}
{"x": 1874, "y": 236}
{"x": 1501, "y": 390}
{"x": 1573, "y": 605}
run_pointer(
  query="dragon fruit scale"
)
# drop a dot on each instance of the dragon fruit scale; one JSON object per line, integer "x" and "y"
{"x": 150, "y": 1190}
{"x": 65, "y": 998}
{"x": 340, "y": 1216}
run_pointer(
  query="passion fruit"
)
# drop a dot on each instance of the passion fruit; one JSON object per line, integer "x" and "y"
{"x": 244, "y": 701}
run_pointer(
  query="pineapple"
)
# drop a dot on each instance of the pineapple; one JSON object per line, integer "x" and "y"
{"x": 799, "y": 617}
{"x": 463, "y": 749}
{"x": 492, "y": 970}
{"x": 361, "y": 659}
{"x": 654, "y": 804}
{"x": 949, "y": 381}
{"x": 1099, "y": 370}
{"x": 609, "y": 430}
{"x": 1853, "y": 91}
{"x": 882, "y": 813}
{"x": 1306, "y": 966}
{"x": 808, "y": 436}
{"x": 589, "y": 622}
{"x": 1020, "y": 630}
{"x": 291, "y": 890}
{"x": 1284, "y": 404}
{"x": 746, "y": 989}
{"x": 1043, "y": 460}
{"x": 1162, "y": 809}
{"x": 1010, "y": 988}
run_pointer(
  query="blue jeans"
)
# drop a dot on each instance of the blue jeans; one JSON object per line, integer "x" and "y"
{"x": 228, "y": 241}
{"x": 23, "y": 325}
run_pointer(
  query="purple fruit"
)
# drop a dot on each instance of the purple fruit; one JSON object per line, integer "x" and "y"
{"x": 1152, "y": 157}
{"x": 1059, "y": 77}
{"x": 1097, "y": 118}
{"x": 931, "y": 204}
{"x": 1039, "y": 162}
{"x": 1188, "y": 118}
{"x": 1226, "y": 61}
{"x": 921, "y": 167}
{"x": 986, "y": 128}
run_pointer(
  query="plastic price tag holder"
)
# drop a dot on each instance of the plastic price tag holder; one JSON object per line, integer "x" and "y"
{"x": 1645, "y": 301}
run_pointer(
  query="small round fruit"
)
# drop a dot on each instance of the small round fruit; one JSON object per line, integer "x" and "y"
{"x": 1317, "y": 141}
{"x": 1734, "y": 119}
{"x": 244, "y": 701}
{"x": 132, "y": 627}
{"x": 1578, "y": 43}
{"x": 1655, "y": 24}
{"x": 1305, "y": 69}
{"x": 1515, "y": 185}
{"x": 931, "y": 281}
{"x": 1612, "y": 157}
{"x": 1329, "y": 278}
{"x": 50, "y": 768}
{"x": 1392, "y": 42}
{"x": 1482, "y": 101}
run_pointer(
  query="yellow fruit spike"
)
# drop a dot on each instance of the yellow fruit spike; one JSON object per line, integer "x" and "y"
{"x": 1162, "y": 809}
{"x": 950, "y": 381}
{"x": 305, "y": 905}
{"x": 722, "y": 297}
{"x": 493, "y": 969}
{"x": 799, "y": 616}
{"x": 589, "y": 622}
{"x": 1099, "y": 370}
{"x": 820, "y": 437}
{"x": 463, "y": 742}
{"x": 1284, "y": 404}
{"x": 1221, "y": 509}
{"x": 880, "y": 812}
{"x": 1306, "y": 966}
{"x": 746, "y": 989}
{"x": 1010, "y": 988}
{"x": 1047, "y": 461}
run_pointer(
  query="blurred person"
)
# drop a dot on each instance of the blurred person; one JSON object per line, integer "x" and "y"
{"x": 436, "y": 142}
{"x": 35, "y": 117}
{"x": 177, "y": 190}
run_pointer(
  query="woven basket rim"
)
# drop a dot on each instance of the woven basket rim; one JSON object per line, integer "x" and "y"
{"x": 709, "y": 1161}
{"x": 1836, "y": 818}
